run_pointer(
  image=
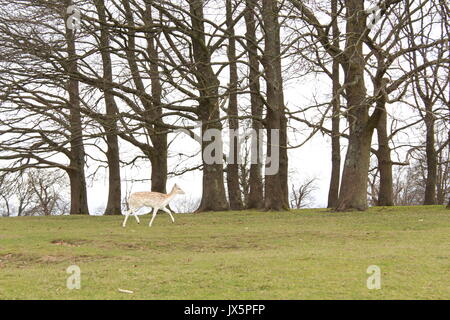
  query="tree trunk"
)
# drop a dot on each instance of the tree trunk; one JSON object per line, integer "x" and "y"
{"x": 353, "y": 190}
{"x": 333, "y": 193}
{"x": 114, "y": 203}
{"x": 213, "y": 189}
{"x": 213, "y": 192}
{"x": 159, "y": 135}
{"x": 77, "y": 159}
{"x": 159, "y": 168}
{"x": 256, "y": 194}
{"x": 353, "y": 194}
{"x": 443, "y": 175}
{"x": 234, "y": 191}
{"x": 276, "y": 189}
{"x": 448, "y": 105}
{"x": 386, "y": 192}
{"x": 78, "y": 193}
{"x": 447, "y": 169}
{"x": 157, "y": 152}
{"x": 430, "y": 184}
{"x": 284, "y": 167}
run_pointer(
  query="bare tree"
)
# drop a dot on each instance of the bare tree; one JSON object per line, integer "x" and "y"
{"x": 75, "y": 170}
{"x": 35, "y": 192}
{"x": 255, "y": 199}
{"x": 135, "y": 72}
{"x": 301, "y": 195}
{"x": 47, "y": 192}
{"x": 113, "y": 205}
{"x": 333, "y": 193}
{"x": 363, "y": 112}
{"x": 26, "y": 69}
{"x": 234, "y": 192}
{"x": 276, "y": 189}
{"x": 5, "y": 196}
{"x": 427, "y": 86}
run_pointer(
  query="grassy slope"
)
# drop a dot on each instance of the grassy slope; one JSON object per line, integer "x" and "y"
{"x": 307, "y": 254}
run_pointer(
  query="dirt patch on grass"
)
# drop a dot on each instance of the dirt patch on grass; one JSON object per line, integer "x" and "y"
{"x": 221, "y": 246}
{"x": 139, "y": 245}
{"x": 17, "y": 259}
{"x": 22, "y": 260}
{"x": 134, "y": 246}
{"x": 121, "y": 245}
{"x": 70, "y": 242}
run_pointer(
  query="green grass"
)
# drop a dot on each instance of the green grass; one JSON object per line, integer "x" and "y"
{"x": 305, "y": 254}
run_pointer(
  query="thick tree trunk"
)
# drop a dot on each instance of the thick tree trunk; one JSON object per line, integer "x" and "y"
{"x": 353, "y": 193}
{"x": 213, "y": 193}
{"x": 386, "y": 192}
{"x": 333, "y": 193}
{"x": 273, "y": 199}
{"x": 430, "y": 183}
{"x": 353, "y": 190}
{"x": 256, "y": 195}
{"x": 159, "y": 167}
{"x": 234, "y": 191}
{"x": 159, "y": 135}
{"x": 77, "y": 158}
{"x": 78, "y": 192}
{"x": 114, "y": 203}
{"x": 276, "y": 188}
{"x": 213, "y": 189}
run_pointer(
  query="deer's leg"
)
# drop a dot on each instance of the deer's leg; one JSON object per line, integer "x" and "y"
{"x": 170, "y": 214}
{"x": 135, "y": 215}
{"x": 127, "y": 213}
{"x": 155, "y": 210}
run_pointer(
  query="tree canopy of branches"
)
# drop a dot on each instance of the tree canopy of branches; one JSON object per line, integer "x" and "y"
{"x": 88, "y": 85}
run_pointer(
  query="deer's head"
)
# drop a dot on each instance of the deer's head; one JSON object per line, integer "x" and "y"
{"x": 177, "y": 190}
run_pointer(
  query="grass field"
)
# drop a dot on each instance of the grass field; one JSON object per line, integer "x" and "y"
{"x": 305, "y": 254}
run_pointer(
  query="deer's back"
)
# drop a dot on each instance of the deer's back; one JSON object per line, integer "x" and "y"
{"x": 147, "y": 199}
